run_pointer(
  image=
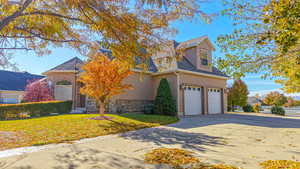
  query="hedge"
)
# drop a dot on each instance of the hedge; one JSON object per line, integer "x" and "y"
{"x": 33, "y": 109}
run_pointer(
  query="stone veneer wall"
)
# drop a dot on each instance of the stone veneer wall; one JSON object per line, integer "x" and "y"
{"x": 90, "y": 105}
{"x": 133, "y": 106}
{"x": 122, "y": 106}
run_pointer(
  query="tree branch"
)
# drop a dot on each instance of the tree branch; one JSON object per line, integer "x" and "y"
{"x": 43, "y": 38}
{"x": 16, "y": 14}
{"x": 51, "y": 14}
{"x": 15, "y": 48}
{"x": 16, "y": 37}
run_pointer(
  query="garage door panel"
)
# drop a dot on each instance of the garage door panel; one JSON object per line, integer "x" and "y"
{"x": 214, "y": 101}
{"x": 192, "y": 101}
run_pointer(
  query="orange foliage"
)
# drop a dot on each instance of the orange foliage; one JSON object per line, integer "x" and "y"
{"x": 102, "y": 78}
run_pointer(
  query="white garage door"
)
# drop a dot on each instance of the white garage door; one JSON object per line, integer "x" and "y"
{"x": 192, "y": 101}
{"x": 214, "y": 101}
{"x": 63, "y": 92}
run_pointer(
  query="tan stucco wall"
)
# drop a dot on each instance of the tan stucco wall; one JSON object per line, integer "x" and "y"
{"x": 55, "y": 77}
{"x": 201, "y": 81}
{"x": 142, "y": 87}
{"x": 145, "y": 86}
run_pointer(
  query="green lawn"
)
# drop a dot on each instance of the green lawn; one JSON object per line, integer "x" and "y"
{"x": 64, "y": 128}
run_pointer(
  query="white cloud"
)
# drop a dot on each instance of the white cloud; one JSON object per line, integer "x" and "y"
{"x": 260, "y": 83}
{"x": 264, "y": 92}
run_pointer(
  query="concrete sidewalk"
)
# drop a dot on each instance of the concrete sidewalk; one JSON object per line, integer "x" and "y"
{"x": 243, "y": 140}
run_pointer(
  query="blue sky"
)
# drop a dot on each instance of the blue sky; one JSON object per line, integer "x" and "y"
{"x": 28, "y": 61}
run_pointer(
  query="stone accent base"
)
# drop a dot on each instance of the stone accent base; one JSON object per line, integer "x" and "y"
{"x": 122, "y": 106}
{"x": 91, "y": 105}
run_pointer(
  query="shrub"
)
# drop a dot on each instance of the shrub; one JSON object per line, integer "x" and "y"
{"x": 229, "y": 108}
{"x": 278, "y": 110}
{"x": 248, "y": 108}
{"x": 34, "y": 109}
{"x": 164, "y": 102}
{"x": 256, "y": 107}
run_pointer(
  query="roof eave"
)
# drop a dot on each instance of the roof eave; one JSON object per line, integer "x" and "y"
{"x": 59, "y": 71}
{"x": 191, "y": 72}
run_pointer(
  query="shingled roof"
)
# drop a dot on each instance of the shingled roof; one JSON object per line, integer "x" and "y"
{"x": 150, "y": 63}
{"x": 16, "y": 81}
{"x": 185, "y": 64}
{"x": 69, "y": 65}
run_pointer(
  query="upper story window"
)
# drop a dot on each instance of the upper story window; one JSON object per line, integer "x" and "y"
{"x": 204, "y": 57}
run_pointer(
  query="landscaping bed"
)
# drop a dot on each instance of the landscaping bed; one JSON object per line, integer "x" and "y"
{"x": 69, "y": 127}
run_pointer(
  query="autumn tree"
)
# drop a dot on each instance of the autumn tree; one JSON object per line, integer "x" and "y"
{"x": 103, "y": 78}
{"x": 37, "y": 91}
{"x": 290, "y": 102}
{"x": 34, "y": 25}
{"x": 275, "y": 99}
{"x": 266, "y": 39}
{"x": 237, "y": 94}
{"x": 129, "y": 29}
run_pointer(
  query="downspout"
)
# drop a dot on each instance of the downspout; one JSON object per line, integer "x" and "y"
{"x": 178, "y": 91}
{"x": 75, "y": 86}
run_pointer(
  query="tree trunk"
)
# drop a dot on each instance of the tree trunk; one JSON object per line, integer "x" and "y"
{"x": 101, "y": 108}
{"x": 232, "y": 107}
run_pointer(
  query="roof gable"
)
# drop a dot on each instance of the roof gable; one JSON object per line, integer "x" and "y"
{"x": 70, "y": 65}
{"x": 16, "y": 81}
{"x": 194, "y": 42}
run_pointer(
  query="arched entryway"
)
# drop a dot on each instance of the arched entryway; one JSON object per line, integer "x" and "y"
{"x": 63, "y": 90}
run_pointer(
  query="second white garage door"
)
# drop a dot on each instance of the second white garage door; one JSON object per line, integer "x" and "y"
{"x": 192, "y": 101}
{"x": 214, "y": 101}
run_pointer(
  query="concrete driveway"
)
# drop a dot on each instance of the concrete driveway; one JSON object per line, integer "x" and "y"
{"x": 243, "y": 140}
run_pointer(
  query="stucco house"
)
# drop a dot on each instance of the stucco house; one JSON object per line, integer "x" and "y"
{"x": 197, "y": 86}
{"x": 253, "y": 100}
{"x": 12, "y": 85}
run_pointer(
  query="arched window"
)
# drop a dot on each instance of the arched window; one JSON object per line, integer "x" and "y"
{"x": 63, "y": 82}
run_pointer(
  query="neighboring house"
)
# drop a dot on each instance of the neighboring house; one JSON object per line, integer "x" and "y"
{"x": 253, "y": 100}
{"x": 197, "y": 86}
{"x": 12, "y": 85}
